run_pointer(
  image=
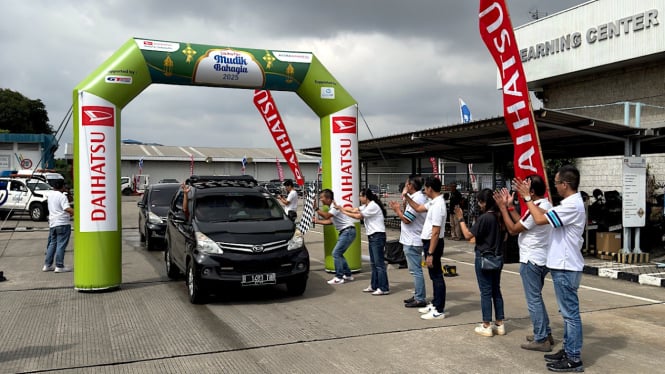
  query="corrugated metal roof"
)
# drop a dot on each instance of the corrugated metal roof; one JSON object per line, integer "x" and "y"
{"x": 562, "y": 135}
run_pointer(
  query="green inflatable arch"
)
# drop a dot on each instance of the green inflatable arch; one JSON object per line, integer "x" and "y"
{"x": 98, "y": 102}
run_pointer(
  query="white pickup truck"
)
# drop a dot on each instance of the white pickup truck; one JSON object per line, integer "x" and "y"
{"x": 26, "y": 195}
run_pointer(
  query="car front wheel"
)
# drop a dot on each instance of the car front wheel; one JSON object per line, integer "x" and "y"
{"x": 37, "y": 212}
{"x": 171, "y": 269}
{"x": 195, "y": 288}
{"x": 149, "y": 241}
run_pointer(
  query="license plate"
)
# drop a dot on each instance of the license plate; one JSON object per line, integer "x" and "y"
{"x": 258, "y": 279}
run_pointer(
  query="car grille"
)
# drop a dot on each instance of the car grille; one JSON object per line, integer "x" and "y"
{"x": 254, "y": 248}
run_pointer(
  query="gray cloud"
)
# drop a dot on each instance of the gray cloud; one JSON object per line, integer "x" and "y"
{"x": 406, "y": 63}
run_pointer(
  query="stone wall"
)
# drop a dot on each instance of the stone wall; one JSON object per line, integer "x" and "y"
{"x": 601, "y": 94}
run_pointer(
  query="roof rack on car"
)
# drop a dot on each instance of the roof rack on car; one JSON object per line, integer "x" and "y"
{"x": 202, "y": 181}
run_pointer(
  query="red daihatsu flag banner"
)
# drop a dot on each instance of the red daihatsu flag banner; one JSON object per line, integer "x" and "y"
{"x": 435, "y": 167}
{"x": 496, "y": 31}
{"x": 280, "y": 171}
{"x": 268, "y": 109}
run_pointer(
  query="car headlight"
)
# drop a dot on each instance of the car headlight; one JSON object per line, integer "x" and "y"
{"x": 207, "y": 245}
{"x": 153, "y": 218}
{"x": 296, "y": 242}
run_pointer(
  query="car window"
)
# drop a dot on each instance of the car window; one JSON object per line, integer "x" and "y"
{"x": 39, "y": 186}
{"x": 17, "y": 186}
{"x": 177, "y": 202}
{"x": 237, "y": 207}
{"x": 162, "y": 197}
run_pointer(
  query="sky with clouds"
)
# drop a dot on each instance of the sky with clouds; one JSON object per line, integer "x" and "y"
{"x": 405, "y": 62}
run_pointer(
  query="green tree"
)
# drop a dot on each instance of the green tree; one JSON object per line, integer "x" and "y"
{"x": 19, "y": 114}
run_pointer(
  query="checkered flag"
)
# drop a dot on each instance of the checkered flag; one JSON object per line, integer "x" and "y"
{"x": 307, "y": 219}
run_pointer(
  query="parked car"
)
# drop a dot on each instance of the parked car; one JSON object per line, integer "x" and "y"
{"x": 168, "y": 180}
{"x": 26, "y": 195}
{"x": 153, "y": 207}
{"x": 232, "y": 232}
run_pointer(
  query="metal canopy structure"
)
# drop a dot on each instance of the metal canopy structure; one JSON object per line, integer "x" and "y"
{"x": 562, "y": 135}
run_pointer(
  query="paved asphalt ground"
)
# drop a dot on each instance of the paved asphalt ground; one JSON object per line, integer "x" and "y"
{"x": 149, "y": 326}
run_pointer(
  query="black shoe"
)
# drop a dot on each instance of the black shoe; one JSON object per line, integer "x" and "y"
{"x": 554, "y": 357}
{"x": 415, "y": 304}
{"x": 566, "y": 365}
{"x": 409, "y": 300}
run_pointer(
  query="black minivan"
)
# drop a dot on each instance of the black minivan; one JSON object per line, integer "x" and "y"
{"x": 153, "y": 207}
{"x": 232, "y": 232}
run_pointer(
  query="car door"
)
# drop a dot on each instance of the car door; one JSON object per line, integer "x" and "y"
{"x": 19, "y": 195}
{"x": 143, "y": 211}
{"x": 178, "y": 231}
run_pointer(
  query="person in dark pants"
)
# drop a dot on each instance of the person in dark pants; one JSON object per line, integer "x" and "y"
{"x": 373, "y": 214}
{"x": 489, "y": 237}
{"x": 432, "y": 236}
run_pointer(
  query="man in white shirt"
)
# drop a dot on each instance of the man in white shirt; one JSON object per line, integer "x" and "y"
{"x": 290, "y": 202}
{"x": 60, "y": 228}
{"x": 432, "y": 237}
{"x": 410, "y": 229}
{"x": 534, "y": 243}
{"x": 565, "y": 261}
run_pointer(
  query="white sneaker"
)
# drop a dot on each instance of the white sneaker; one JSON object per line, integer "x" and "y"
{"x": 484, "y": 331}
{"x": 48, "y": 268}
{"x": 499, "y": 330}
{"x": 433, "y": 314}
{"x": 426, "y": 309}
{"x": 336, "y": 281}
{"x": 379, "y": 292}
{"x": 369, "y": 289}
{"x": 347, "y": 278}
{"x": 63, "y": 269}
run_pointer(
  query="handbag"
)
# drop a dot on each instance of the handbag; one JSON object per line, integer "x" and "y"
{"x": 491, "y": 261}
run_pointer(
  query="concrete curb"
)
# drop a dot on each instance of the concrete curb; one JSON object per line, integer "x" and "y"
{"x": 645, "y": 274}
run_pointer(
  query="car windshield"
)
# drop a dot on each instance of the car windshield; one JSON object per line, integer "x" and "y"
{"x": 237, "y": 207}
{"x": 162, "y": 196}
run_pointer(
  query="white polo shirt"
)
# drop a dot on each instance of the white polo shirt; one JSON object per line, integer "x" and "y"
{"x": 341, "y": 220}
{"x": 436, "y": 216}
{"x": 292, "y": 199}
{"x": 410, "y": 233}
{"x": 534, "y": 243}
{"x": 373, "y": 218}
{"x": 57, "y": 203}
{"x": 568, "y": 220}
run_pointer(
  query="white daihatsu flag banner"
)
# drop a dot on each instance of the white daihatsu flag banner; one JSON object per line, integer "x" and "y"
{"x": 98, "y": 172}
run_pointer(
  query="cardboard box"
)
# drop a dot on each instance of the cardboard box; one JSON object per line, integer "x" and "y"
{"x": 608, "y": 241}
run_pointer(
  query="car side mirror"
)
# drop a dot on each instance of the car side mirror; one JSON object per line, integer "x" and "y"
{"x": 140, "y": 204}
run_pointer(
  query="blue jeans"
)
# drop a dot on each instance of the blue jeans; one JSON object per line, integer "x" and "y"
{"x": 533, "y": 279}
{"x": 436, "y": 275}
{"x": 58, "y": 238}
{"x": 566, "y": 283}
{"x": 414, "y": 257}
{"x": 489, "y": 283}
{"x": 346, "y": 237}
{"x": 379, "y": 277}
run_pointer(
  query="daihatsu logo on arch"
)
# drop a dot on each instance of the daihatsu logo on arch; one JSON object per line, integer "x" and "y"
{"x": 98, "y": 116}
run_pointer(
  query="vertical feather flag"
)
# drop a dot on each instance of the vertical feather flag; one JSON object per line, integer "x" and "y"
{"x": 465, "y": 112}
